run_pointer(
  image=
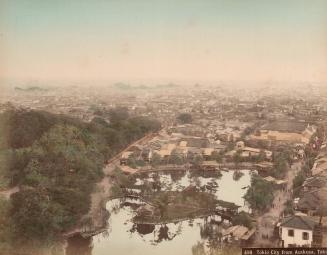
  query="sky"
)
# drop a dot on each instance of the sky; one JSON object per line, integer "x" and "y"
{"x": 164, "y": 40}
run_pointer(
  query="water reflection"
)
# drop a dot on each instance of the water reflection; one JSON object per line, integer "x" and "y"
{"x": 126, "y": 237}
{"x": 164, "y": 234}
{"x": 143, "y": 229}
{"x": 225, "y": 185}
{"x": 77, "y": 245}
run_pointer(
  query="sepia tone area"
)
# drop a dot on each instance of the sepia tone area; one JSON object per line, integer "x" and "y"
{"x": 162, "y": 127}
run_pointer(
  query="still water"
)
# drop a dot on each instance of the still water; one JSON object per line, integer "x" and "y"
{"x": 123, "y": 237}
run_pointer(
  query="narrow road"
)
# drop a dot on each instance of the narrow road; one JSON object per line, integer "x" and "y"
{"x": 102, "y": 191}
{"x": 266, "y": 222}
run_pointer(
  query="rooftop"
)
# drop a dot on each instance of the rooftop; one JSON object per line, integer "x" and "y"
{"x": 286, "y": 126}
{"x": 298, "y": 222}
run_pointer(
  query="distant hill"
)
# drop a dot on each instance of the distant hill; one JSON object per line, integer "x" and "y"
{"x": 31, "y": 89}
{"x": 124, "y": 86}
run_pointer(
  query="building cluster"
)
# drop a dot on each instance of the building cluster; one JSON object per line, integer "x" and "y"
{"x": 226, "y": 127}
{"x": 222, "y": 143}
{"x": 306, "y": 228}
{"x": 314, "y": 188}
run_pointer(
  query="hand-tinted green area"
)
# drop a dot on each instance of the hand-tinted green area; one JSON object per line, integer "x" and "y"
{"x": 55, "y": 161}
{"x": 260, "y": 193}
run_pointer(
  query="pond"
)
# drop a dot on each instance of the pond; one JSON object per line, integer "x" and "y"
{"x": 125, "y": 237}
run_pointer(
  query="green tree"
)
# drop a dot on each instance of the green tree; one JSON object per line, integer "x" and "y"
{"x": 155, "y": 160}
{"x": 121, "y": 179}
{"x": 116, "y": 190}
{"x": 260, "y": 194}
{"x": 288, "y": 208}
{"x": 57, "y": 160}
{"x": 33, "y": 175}
{"x": 243, "y": 219}
{"x": 161, "y": 202}
{"x": 322, "y": 210}
{"x": 175, "y": 158}
{"x": 5, "y": 227}
{"x": 37, "y": 218}
{"x": 237, "y": 158}
{"x": 118, "y": 114}
{"x": 261, "y": 156}
{"x": 280, "y": 161}
{"x": 297, "y": 182}
{"x": 131, "y": 162}
{"x": 217, "y": 156}
{"x": 184, "y": 118}
{"x": 198, "y": 249}
{"x": 197, "y": 160}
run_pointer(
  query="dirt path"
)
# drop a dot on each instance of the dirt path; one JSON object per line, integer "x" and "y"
{"x": 102, "y": 191}
{"x": 266, "y": 222}
{"x": 7, "y": 193}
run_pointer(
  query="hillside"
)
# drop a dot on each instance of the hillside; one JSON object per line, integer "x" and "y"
{"x": 56, "y": 161}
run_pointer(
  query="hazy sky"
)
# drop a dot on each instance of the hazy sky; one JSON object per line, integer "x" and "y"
{"x": 164, "y": 40}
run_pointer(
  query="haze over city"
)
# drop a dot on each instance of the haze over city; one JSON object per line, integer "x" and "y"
{"x": 163, "y": 127}
{"x": 164, "y": 41}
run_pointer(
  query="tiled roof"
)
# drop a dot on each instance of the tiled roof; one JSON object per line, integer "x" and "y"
{"x": 299, "y": 222}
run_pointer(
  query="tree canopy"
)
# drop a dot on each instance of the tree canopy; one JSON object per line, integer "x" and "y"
{"x": 56, "y": 160}
{"x": 260, "y": 194}
{"x": 184, "y": 118}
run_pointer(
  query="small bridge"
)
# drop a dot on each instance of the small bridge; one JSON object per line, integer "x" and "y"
{"x": 163, "y": 168}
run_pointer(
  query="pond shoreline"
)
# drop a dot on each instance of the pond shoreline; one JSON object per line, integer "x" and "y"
{"x": 226, "y": 167}
{"x": 102, "y": 215}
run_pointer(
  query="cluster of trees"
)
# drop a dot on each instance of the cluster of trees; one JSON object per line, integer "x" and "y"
{"x": 216, "y": 247}
{"x": 187, "y": 203}
{"x": 310, "y": 157}
{"x": 237, "y": 157}
{"x": 282, "y": 158}
{"x": 217, "y": 156}
{"x": 56, "y": 161}
{"x": 175, "y": 158}
{"x": 56, "y": 183}
{"x": 120, "y": 131}
{"x": 243, "y": 219}
{"x": 134, "y": 162}
{"x": 5, "y": 226}
{"x": 192, "y": 158}
{"x": 184, "y": 118}
{"x": 260, "y": 194}
{"x": 288, "y": 208}
{"x": 297, "y": 183}
{"x": 121, "y": 182}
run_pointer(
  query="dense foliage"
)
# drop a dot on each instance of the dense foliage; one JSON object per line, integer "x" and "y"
{"x": 243, "y": 219}
{"x": 282, "y": 158}
{"x": 297, "y": 183}
{"x": 56, "y": 161}
{"x": 4, "y": 227}
{"x": 215, "y": 247}
{"x": 260, "y": 193}
{"x": 184, "y": 118}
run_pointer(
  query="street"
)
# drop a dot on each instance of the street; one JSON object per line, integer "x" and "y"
{"x": 266, "y": 222}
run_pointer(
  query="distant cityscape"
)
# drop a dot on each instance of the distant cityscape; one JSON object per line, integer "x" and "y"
{"x": 274, "y": 137}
